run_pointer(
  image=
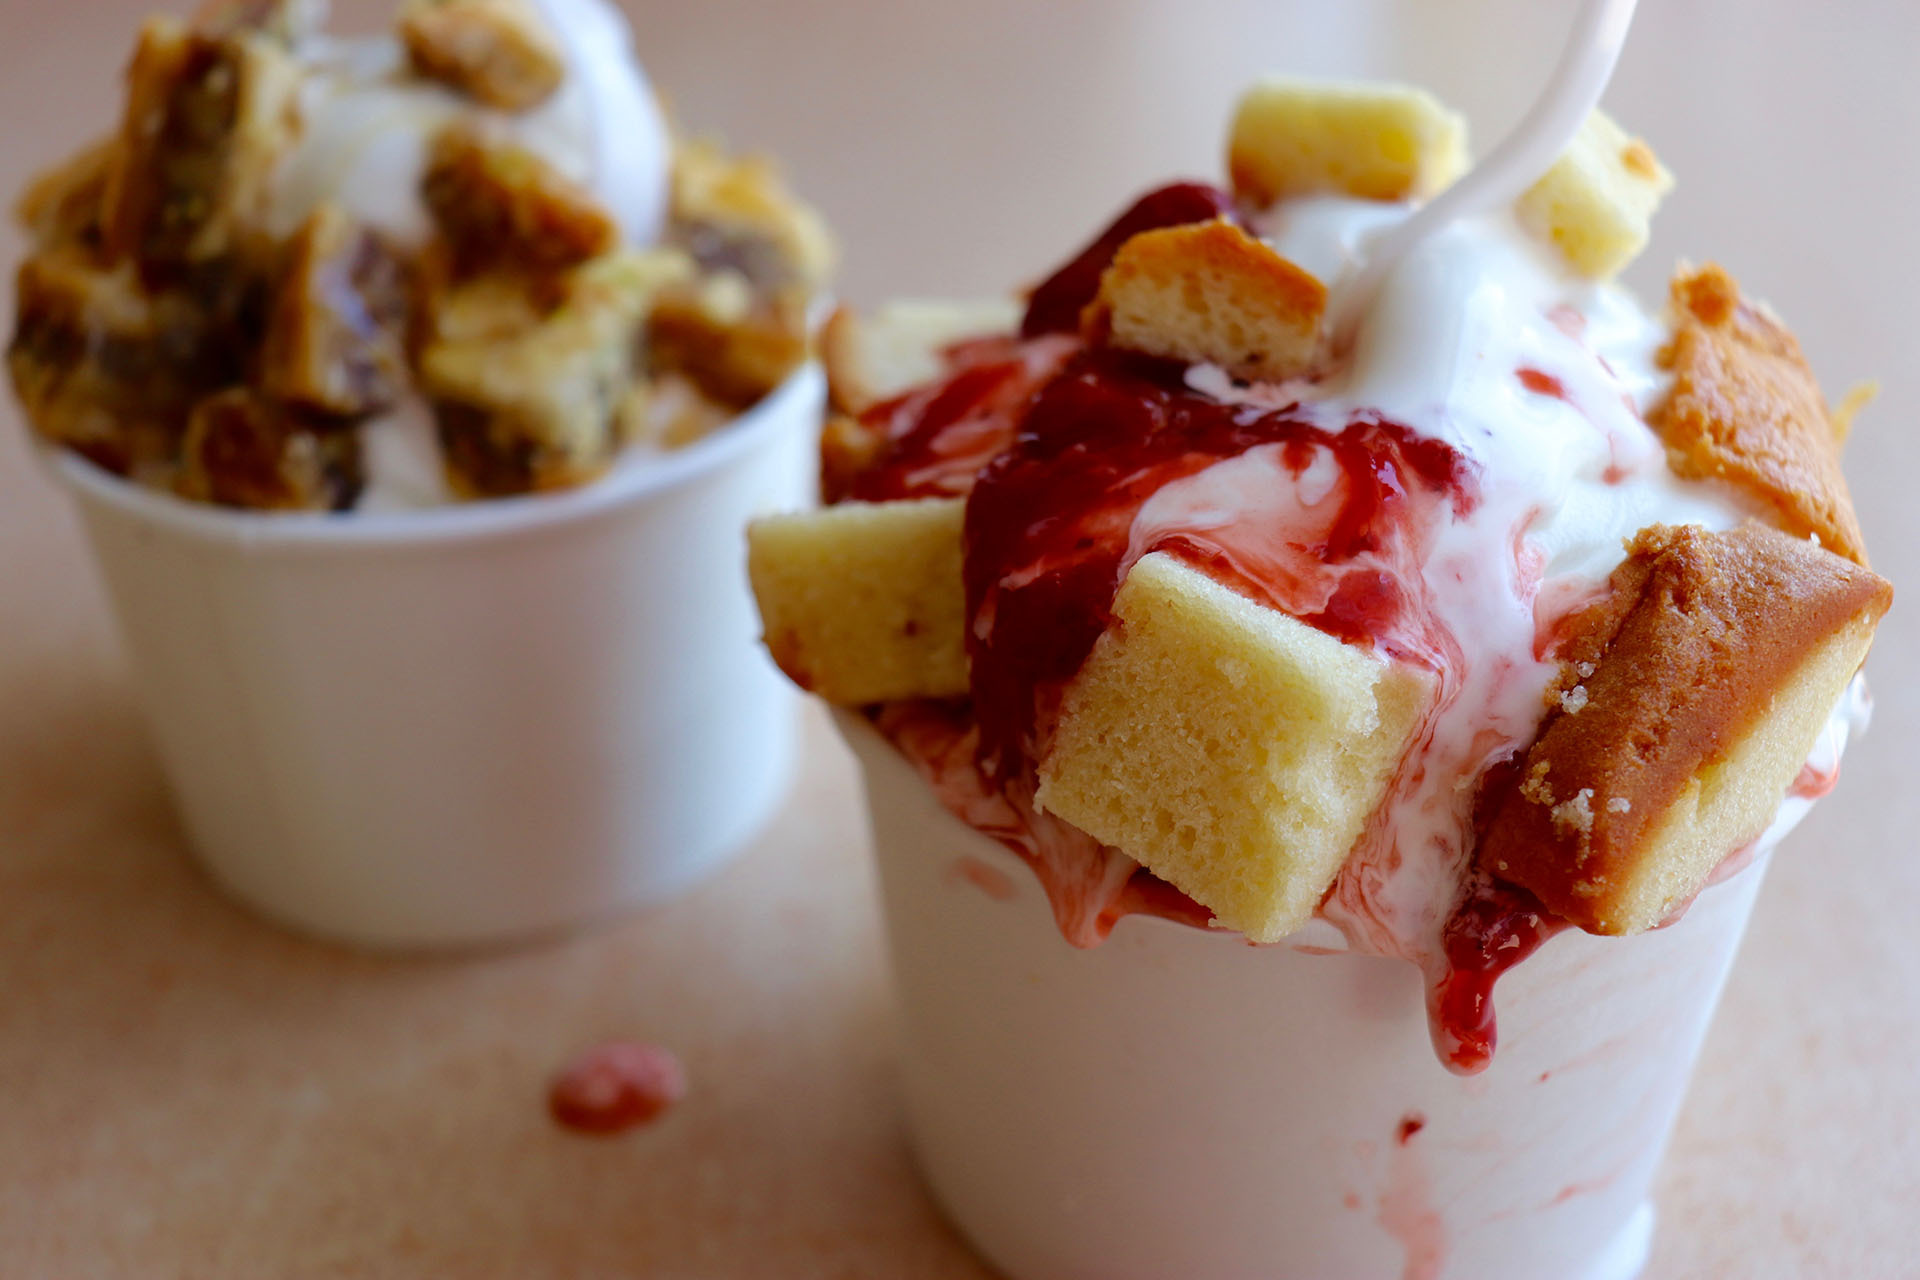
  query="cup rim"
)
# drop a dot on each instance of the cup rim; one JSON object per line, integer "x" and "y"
{"x": 634, "y": 476}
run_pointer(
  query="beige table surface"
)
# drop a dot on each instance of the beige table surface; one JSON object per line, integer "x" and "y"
{"x": 185, "y": 1092}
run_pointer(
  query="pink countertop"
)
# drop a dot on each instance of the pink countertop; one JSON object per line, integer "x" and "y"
{"x": 186, "y": 1092}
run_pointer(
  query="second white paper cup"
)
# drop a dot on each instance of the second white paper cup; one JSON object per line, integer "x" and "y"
{"x": 1176, "y": 1102}
{"x": 469, "y": 724}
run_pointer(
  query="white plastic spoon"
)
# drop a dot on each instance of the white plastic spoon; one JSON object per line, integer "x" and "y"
{"x": 1585, "y": 67}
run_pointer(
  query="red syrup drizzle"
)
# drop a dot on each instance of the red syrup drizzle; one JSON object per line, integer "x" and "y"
{"x": 1050, "y": 522}
{"x": 1049, "y": 527}
{"x": 1494, "y": 927}
{"x": 1088, "y": 450}
{"x": 1089, "y": 887}
{"x": 939, "y": 436}
{"x": 1543, "y": 384}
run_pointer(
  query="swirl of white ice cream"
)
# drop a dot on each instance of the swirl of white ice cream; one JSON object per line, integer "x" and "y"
{"x": 366, "y": 125}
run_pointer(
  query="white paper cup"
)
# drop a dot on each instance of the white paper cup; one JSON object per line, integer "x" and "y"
{"x": 1176, "y": 1102}
{"x": 475, "y": 723}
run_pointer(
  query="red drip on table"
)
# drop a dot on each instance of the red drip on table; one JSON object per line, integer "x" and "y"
{"x": 616, "y": 1087}
{"x": 1049, "y": 525}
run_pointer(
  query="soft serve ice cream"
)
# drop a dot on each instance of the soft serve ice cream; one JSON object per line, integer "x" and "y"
{"x": 462, "y": 258}
{"x": 368, "y": 122}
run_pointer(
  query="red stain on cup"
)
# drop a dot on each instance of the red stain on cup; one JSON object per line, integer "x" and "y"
{"x": 616, "y": 1087}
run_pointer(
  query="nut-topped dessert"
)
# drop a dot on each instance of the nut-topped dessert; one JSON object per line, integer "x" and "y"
{"x": 461, "y": 260}
{"x": 1523, "y": 611}
{"x": 398, "y": 379}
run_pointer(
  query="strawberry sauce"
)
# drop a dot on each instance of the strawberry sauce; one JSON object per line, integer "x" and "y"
{"x": 936, "y": 438}
{"x": 1050, "y": 527}
{"x": 1495, "y": 926}
{"x": 1089, "y": 886}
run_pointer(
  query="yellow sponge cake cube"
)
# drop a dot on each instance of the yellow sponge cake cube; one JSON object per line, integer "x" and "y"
{"x": 1233, "y": 750}
{"x": 1294, "y": 137}
{"x": 864, "y": 602}
{"x": 1598, "y": 200}
{"x": 1210, "y": 293}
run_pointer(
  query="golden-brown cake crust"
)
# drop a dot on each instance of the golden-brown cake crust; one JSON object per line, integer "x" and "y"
{"x": 1745, "y": 408}
{"x": 1207, "y": 292}
{"x": 1698, "y": 646}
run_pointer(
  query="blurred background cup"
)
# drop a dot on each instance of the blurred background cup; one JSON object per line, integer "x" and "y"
{"x": 1174, "y": 1102}
{"x": 470, "y": 724}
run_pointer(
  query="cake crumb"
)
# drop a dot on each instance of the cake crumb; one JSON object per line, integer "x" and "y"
{"x": 1535, "y": 788}
{"x": 1576, "y": 813}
